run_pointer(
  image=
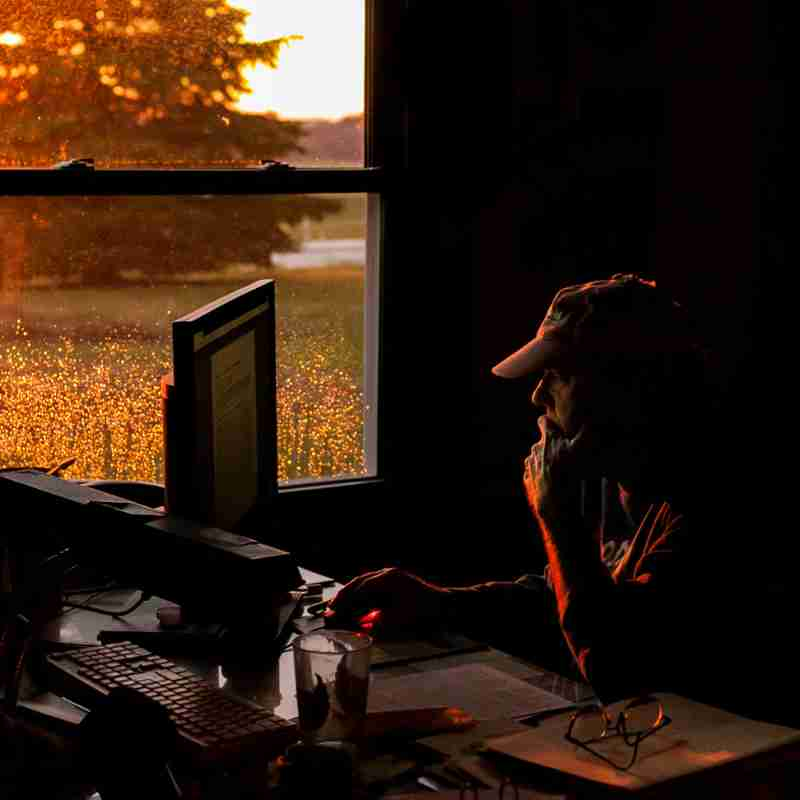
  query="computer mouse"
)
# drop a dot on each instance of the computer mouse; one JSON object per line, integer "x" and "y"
{"x": 366, "y": 623}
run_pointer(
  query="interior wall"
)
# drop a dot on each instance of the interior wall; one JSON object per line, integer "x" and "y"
{"x": 550, "y": 145}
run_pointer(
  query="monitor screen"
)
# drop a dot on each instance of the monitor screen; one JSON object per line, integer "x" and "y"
{"x": 220, "y": 416}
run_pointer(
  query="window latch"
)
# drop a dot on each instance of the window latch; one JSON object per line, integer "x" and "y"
{"x": 271, "y": 164}
{"x": 77, "y": 164}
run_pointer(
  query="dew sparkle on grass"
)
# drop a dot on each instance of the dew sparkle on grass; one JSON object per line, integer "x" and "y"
{"x": 98, "y": 399}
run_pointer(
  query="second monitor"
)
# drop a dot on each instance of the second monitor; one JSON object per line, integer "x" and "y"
{"x": 220, "y": 414}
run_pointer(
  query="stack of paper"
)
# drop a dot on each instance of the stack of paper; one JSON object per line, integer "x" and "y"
{"x": 698, "y": 738}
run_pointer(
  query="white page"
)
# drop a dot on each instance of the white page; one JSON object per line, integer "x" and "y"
{"x": 233, "y": 396}
{"x": 482, "y": 691}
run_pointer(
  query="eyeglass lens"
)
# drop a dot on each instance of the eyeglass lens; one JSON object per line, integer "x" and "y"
{"x": 589, "y": 723}
{"x": 640, "y": 716}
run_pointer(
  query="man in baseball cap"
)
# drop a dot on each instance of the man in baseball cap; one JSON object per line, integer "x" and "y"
{"x": 626, "y": 394}
{"x": 614, "y": 358}
{"x": 614, "y": 361}
{"x": 621, "y": 381}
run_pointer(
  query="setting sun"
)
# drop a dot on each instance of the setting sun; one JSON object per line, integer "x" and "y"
{"x": 11, "y": 39}
{"x": 320, "y": 75}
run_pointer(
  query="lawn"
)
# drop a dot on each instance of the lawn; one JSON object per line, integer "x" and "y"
{"x": 80, "y": 371}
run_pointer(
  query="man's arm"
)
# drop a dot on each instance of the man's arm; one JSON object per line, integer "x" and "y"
{"x": 409, "y": 601}
{"x": 612, "y": 627}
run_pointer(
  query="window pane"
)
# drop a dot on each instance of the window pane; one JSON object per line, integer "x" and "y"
{"x": 181, "y": 82}
{"x": 89, "y": 287}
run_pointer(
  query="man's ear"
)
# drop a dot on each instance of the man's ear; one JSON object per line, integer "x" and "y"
{"x": 630, "y": 401}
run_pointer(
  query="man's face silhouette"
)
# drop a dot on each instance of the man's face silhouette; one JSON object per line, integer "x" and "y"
{"x": 561, "y": 395}
{"x": 610, "y": 414}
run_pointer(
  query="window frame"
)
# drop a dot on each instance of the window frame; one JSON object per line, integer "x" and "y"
{"x": 385, "y": 157}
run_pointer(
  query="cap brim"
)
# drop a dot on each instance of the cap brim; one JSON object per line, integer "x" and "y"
{"x": 535, "y": 356}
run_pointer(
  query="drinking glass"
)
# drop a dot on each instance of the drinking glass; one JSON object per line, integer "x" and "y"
{"x": 332, "y": 678}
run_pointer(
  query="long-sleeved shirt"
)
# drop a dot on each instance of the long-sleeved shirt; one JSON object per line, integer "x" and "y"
{"x": 692, "y": 607}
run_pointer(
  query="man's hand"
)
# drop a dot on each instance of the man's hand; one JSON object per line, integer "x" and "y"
{"x": 552, "y": 475}
{"x": 405, "y": 600}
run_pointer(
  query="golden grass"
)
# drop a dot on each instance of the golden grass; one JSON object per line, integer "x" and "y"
{"x": 84, "y": 387}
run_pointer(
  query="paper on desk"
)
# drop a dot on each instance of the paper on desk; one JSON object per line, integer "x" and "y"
{"x": 407, "y": 651}
{"x": 483, "y": 691}
{"x": 699, "y": 737}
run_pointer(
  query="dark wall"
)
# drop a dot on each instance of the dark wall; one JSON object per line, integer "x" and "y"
{"x": 549, "y": 144}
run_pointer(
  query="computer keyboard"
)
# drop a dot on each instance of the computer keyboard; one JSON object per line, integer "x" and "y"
{"x": 213, "y": 726}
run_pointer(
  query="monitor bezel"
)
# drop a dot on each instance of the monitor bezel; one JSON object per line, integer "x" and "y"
{"x": 250, "y": 308}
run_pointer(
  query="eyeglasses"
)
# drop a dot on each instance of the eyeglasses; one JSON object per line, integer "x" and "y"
{"x": 639, "y": 719}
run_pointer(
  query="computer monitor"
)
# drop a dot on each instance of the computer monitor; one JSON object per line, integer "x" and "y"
{"x": 220, "y": 416}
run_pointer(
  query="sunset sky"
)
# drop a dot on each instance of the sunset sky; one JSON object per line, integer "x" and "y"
{"x": 318, "y": 75}
{"x": 321, "y": 75}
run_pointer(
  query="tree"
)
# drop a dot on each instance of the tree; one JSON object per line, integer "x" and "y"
{"x": 139, "y": 82}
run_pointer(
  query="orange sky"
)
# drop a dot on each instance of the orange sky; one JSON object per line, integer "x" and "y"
{"x": 320, "y": 76}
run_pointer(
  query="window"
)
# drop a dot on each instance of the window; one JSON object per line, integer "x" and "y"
{"x": 148, "y": 166}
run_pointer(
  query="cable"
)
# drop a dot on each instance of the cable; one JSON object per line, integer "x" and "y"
{"x": 88, "y": 607}
{"x": 102, "y": 588}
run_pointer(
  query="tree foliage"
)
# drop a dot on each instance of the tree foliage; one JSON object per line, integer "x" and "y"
{"x": 138, "y": 82}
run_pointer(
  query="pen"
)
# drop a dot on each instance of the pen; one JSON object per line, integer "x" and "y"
{"x": 439, "y": 777}
{"x": 428, "y": 783}
{"x": 463, "y": 775}
{"x": 73, "y": 703}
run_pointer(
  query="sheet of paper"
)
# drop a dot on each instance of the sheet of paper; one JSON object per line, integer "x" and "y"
{"x": 699, "y": 737}
{"x": 309, "y": 576}
{"x": 386, "y": 653}
{"x": 481, "y": 690}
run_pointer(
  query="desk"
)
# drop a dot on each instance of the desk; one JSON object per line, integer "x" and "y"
{"x": 275, "y": 688}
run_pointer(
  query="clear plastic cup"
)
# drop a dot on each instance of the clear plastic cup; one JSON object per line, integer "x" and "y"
{"x": 332, "y": 678}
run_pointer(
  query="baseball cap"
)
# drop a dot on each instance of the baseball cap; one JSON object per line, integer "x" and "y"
{"x": 623, "y": 316}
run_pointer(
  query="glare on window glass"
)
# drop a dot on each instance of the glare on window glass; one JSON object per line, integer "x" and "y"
{"x": 89, "y": 287}
{"x": 181, "y": 82}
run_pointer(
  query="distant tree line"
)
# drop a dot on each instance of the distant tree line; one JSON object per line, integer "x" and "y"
{"x": 333, "y": 141}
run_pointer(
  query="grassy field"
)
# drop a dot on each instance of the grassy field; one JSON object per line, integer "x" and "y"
{"x": 349, "y": 223}
{"x": 80, "y": 371}
{"x": 80, "y": 367}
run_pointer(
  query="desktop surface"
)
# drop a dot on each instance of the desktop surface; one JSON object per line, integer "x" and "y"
{"x": 395, "y": 767}
{"x": 271, "y": 684}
